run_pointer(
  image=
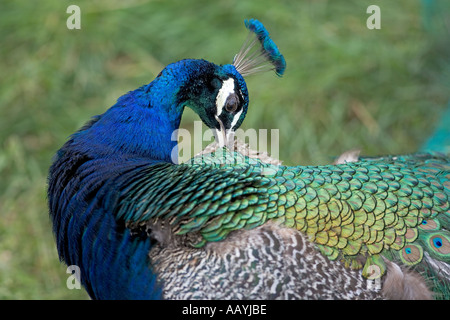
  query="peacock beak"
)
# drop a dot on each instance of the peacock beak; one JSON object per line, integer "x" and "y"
{"x": 220, "y": 137}
{"x": 223, "y": 137}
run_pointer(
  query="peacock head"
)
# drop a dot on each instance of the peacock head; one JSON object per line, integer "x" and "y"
{"x": 144, "y": 120}
{"x": 218, "y": 93}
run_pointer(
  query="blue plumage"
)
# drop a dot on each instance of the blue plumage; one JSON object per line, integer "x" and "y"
{"x": 94, "y": 170}
{"x": 253, "y": 58}
{"x": 141, "y": 226}
{"x": 268, "y": 45}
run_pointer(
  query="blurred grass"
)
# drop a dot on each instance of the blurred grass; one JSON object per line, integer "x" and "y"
{"x": 345, "y": 87}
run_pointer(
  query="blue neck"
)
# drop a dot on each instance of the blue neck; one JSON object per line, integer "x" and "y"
{"x": 92, "y": 169}
{"x": 142, "y": 122}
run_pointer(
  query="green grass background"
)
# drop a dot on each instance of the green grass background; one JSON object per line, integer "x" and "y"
{"x": 345, "y": 87}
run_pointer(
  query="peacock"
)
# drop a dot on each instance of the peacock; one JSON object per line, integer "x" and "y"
{"x": 232, "y": 224}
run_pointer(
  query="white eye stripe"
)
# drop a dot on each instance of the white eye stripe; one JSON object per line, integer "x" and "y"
{"x": 235, "y": 119}
{"x": 224, "y": 92}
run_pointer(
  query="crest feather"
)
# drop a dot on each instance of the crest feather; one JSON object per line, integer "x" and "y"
{"x": 263, "y": 57}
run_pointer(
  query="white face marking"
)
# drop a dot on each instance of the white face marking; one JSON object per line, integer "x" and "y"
{"x": 224, "y": 92}
{"x": 235, "y": 119}
{"x": 230, "y": 132}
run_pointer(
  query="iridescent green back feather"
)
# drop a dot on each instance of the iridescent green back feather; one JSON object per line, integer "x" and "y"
{"x": 394, "y": 206}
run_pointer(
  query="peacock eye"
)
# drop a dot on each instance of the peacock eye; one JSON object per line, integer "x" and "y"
{"x": 232, "y": 103}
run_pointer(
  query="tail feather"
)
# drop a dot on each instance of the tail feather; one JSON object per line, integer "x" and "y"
{"x": 440, "y": 139}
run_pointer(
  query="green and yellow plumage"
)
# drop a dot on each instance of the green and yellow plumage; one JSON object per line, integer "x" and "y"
{"x": 393, "y": 206}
